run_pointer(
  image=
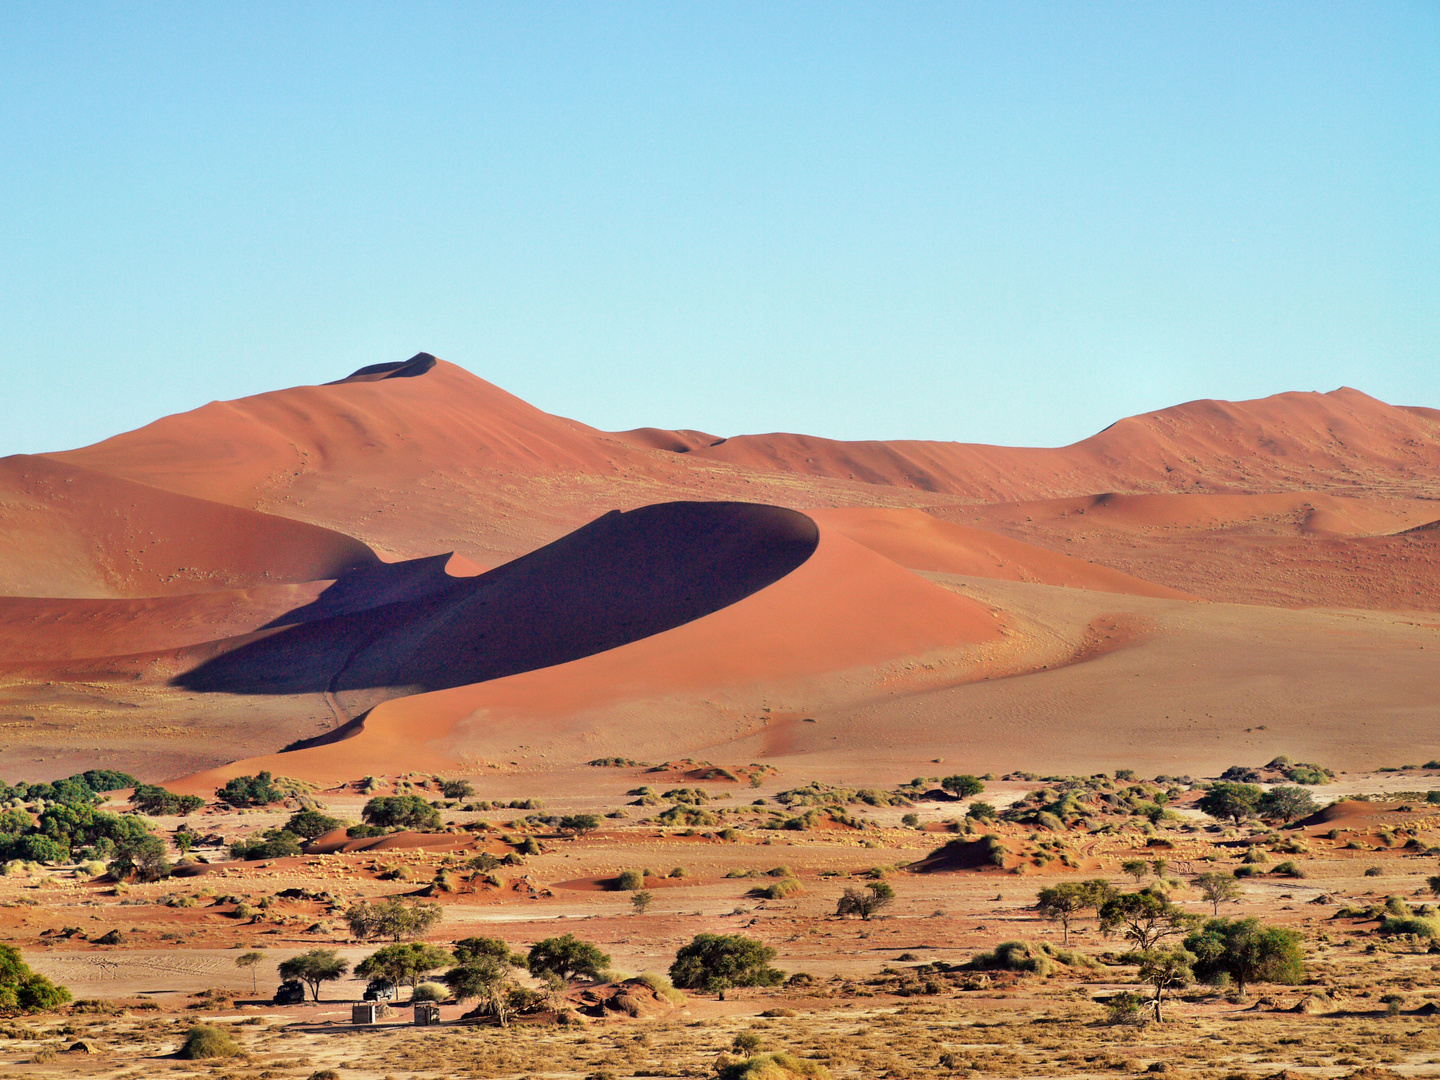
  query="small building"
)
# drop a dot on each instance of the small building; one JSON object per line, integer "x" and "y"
{"x": 367, "y": 1013}
{"x": 427, "y": 1014}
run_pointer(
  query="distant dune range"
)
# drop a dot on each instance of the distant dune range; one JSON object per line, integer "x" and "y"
{"x": 419, "y": 570}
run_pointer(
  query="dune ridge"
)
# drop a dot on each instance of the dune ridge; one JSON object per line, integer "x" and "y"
{"x": 825, "y": 631}
{"x": 1343, "y": 439}
{"x": 624, "y": 577}
{"x": 264, "y": 571}
{"x": 296, "y": 450}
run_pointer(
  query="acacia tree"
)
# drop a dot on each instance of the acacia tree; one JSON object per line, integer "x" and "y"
{"x": 23, "y": 990}
{"x": 401, "y": 811}
{"x": 1062, "y": 903}
{"x": 1166, "y": 969}
{"x": 1143, "y": 918}
{"x": 1227, "y": 800}
{"x": 1287, "y": 803}
{"x": 715, "y": 962}
{"x": 1248, "y": 951}
{"x": 866, "y": 902}
{"x": 579, "y": 824}
{"x": 963, "y": 786}
{"x": 139, "y": 855}
{"x": 392, "y": 918}
{"x": 308, "y": 824}
{"x": 488, "y": 979}
{"x": 249, "y": 960}
{"x": 467, "y": 949}
{"x": 406, "y": 963}
{"x": 1218, "y": 887}
{"x": 567, "y": 958}
{"x": 1136, "y": 868}
{"x": 314, "y": 967}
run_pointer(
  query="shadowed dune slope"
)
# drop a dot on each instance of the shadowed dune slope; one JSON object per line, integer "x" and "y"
{"x": 68, "y": 532}
{"x": 418, "y": 364}
{"x": 623, "y": 577}
{"x": 918, "y": 541}
{"x": 827, "y": 628}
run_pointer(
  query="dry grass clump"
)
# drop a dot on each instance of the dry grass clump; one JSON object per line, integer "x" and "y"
{"x": 205, "y": 1041}
{"x": 778, "y": 890}
{"x": 777, "y": 1066}
{"x": 661, "y": 987}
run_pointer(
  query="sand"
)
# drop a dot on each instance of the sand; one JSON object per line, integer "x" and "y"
{"x": 416, "y": 560}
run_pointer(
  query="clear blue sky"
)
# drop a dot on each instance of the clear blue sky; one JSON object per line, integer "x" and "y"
{"x": 997, "y": 222}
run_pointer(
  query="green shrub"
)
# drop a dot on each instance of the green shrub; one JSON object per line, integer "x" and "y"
{"x": 205, "y": 1041}
{"x": 430, "y": 991}
{"x": 1418, "y": 925}
{"x": 23, "y": 990}
{"x": 747, "y": 1042}
{"x": 715, "y": 962}
{"x": 156, "y": 801}
{"x": 243, "y": 791}
{"x": 1126, "y": 1007}
{"x": 1288, "y": 869}
{"x": 401, "y": 811}
{"x": 275, "y": 844}
{"x": 685, "y": 814}
{"x": 630, "y": 881}
{"x": 309, "y": 824}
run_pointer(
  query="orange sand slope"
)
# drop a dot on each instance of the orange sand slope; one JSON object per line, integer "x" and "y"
{"x": 306, "y": 451}
{"x": 1343, "y": 439}
{"x": 1294, "y": 549}
{"x": 921, "y": 542}
{"x": 307, "y": 437}
{"x": 1302, "y": 512}
{"x": 276, "y": 557}
{"x": 67, "y": 531}
{"x": 844, "y": 611}
{"x": 621, "y": 578}
{"x": 49, "y": 629}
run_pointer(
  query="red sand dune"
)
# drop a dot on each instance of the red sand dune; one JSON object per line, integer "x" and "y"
{"x": 299, "y": 450}
{"x": 68, "y": 531}
{"x": 1300, "y": 512}
{"x": 299, "y": 438}
{"x": 48, "y": 628}
{"x": 844, "y": 610}
{"x": 152, "y": 553}
{"x": 1343, "y": 439}
{"x": 623, "y": 577}
{"x": 919, "y": 541}
{"x": 676, "y": 442}
{"x": 1295, "y": 549}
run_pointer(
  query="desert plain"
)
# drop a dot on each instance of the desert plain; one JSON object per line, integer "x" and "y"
{"x": 732, "y": 676}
